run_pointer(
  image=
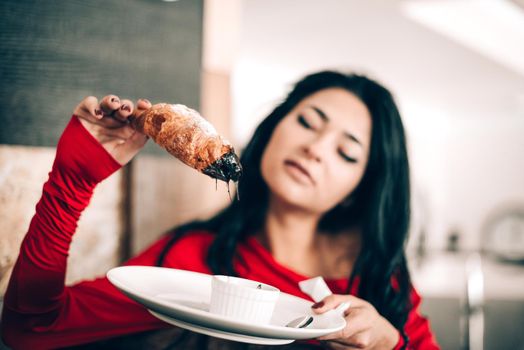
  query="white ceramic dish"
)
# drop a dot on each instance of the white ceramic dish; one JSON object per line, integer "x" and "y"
{"x": 184, "y": 296}
{"x": 222, "y": 334}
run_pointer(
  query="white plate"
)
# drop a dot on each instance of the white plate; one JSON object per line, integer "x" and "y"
{"x": 184, "y": 296}
{"x": 221, "y": 334}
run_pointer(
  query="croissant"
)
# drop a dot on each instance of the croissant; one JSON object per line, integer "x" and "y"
{"x": 185, "y": 134}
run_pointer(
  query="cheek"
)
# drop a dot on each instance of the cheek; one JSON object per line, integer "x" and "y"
{"x": 273, "y": 152}
{"x": 269, "y": 160}
{"x": 265, "y": 167}
{"x": 343, "y": 180}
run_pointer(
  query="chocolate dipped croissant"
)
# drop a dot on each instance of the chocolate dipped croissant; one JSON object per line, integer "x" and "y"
{"x": 185, "y": 134}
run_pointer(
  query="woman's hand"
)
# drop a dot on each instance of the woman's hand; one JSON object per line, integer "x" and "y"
{"x": 365, "y": 327}
{"x": 107, "y": 121}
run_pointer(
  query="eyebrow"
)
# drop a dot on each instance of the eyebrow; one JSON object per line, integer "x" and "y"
{"x": 324, "y": 117}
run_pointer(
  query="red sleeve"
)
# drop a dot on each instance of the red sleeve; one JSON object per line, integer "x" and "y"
{"x": 417, "y": 329}
{"x": 39, "y": 311}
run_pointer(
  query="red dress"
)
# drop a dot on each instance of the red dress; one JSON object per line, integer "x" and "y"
{"x": 41, "y": 312}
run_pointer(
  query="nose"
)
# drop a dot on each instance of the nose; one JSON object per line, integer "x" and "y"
{"x": 312, "y": 154}
{"x": 316, "y": 149}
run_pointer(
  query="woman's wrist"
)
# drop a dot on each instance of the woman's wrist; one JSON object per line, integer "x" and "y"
{"x": 80, "y": 164}
{"x": 82, "y": 156}
{"x": 80, "y": 152}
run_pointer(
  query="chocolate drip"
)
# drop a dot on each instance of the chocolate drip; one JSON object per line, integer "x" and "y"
{"x": 226, "y": 168}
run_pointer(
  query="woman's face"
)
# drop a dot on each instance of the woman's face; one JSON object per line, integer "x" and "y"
{"x": 318, "y": 153}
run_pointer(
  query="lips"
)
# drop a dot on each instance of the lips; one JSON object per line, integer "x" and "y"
{"x": 298, "y": 166}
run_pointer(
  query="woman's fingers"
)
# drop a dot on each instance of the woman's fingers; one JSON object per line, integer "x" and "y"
{"x": 111, "y": 111}
{"x": 88, "y": 109}
{"x": 114, "y": 112}
{"x": 107, "y": 121}
{"x": 124, "y": 111}
{"x": 90, "y": 105}
{"x": 332, "y": 301}
{"x": 356, "y": 341}
{"x": 143, "y": 104}
{"x": 354, "y": 324}
{"x": 110, "y": 104}
{"x": 334, "y": 345}
{"x": 352, "y": 315}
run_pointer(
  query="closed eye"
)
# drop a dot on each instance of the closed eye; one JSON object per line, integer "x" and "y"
{"x": 302, "y": 121}
{"x": 346, "y": 157}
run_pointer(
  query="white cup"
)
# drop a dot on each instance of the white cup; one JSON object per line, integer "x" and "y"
{"x": 243, "y": 299}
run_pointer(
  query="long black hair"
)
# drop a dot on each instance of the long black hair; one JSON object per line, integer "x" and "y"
{"x": 380, "y": 204}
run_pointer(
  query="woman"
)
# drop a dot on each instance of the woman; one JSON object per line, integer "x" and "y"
{"x": 325, "y": 192}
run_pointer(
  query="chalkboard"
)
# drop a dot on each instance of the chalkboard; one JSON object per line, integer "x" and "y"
{"x": 53, "y": 53}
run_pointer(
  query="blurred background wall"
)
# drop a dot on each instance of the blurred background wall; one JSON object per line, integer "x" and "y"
{"x": 55, "y": 53}
{"x": 455, "y": 67}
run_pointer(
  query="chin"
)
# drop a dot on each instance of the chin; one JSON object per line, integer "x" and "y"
{"x": 292, "y": 194}
{"x": 287, "y": 190}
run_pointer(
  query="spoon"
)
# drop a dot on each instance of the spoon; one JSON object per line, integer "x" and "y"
{"x": 300, "y": 322}
{"x": 304, "y": 321}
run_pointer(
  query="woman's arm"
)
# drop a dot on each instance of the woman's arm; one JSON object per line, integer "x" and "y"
{"x": 39, "y": 311}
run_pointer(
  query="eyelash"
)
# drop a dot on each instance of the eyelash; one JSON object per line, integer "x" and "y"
{"x": 346, "y": 157}
{"x": 302, "y": 121}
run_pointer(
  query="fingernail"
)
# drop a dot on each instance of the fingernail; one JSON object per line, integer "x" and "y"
{"x": 98, "y": 111}
{"x": 145, "y": 100}
{"x": 125, "y": 107}
{"x": 114, "y": 99}
{"x": 317, "y": 305}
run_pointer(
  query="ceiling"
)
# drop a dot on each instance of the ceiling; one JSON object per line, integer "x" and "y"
{"x": 282, "y": 40}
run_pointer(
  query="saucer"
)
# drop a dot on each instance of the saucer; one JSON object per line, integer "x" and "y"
{"x": 184, "y": 296}
{"x": 222, "y": 334}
